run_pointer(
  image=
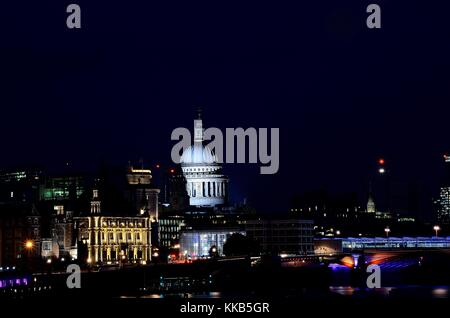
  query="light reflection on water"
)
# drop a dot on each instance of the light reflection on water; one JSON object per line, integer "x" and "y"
{"x": 433, "y": 292}
{"x": 208, "y": 295}
{"x": 341, "y": 283}
{"x": 351, "y": 291}
{"x": 436, "y": 292}
{"x": 441, "y": 292}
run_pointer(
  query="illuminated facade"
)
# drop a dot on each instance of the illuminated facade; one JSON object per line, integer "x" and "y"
{"x": 444, "y": 201}
{"x": 371, "y": 205}
{"x": 169, "y": 230}
{"x": 113, "y": 239}
{"x": 205, "y": 183}
{"x": 198, "y": 243}
{"x": 444, "y": 195}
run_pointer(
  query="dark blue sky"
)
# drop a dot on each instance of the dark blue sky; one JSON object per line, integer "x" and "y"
{"x": 341, "y": 94}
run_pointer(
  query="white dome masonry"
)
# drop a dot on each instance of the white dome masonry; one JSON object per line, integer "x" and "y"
{"x": 205, "y": 183}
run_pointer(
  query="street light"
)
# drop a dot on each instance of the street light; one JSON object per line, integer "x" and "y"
{"x": 29, "y": 245}
{"x": 387, "y": 230}
{"x": 436, "y": 228}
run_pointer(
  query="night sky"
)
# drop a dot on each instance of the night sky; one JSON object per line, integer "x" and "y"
{"x": 341, "y": 94}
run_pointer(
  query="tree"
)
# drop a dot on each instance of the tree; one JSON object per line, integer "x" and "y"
{"x": 239, "y": 245}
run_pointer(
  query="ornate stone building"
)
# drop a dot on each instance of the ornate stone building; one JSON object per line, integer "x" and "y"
{"x": 109, "y": 239}
{"x": 205, "y": 183}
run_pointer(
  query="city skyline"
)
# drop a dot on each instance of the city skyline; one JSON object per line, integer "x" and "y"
{"x": 341, "y": 94}
{"x": 217, "y": 157}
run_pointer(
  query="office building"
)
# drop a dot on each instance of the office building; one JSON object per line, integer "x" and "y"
{"x": 289, "y": 236}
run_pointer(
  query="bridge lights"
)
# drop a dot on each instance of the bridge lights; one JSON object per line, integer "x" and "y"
{"x": 387, "y": 230}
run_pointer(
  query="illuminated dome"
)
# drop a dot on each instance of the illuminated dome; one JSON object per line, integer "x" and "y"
{"x": 198, "y": 154}
{"x": 205, "y": 183}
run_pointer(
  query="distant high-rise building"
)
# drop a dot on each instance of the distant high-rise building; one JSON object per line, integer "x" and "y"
{"x": 20, "y": 185}
{"x": 67, "y": 187}
{"x": 282, "y": 236}
{"x": 143, "y": 197}
{"x": 444, "y": 195}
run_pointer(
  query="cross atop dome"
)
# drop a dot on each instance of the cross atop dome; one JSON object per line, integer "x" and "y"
{"x": 205, "y": 183}
{"x": 199, "y": 112}
{"x": 198, "y": 126}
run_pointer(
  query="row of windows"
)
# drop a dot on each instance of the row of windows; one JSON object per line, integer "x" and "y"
{"x": 168, "y": 236}
{"x": 170, "y": 229}
{"x": 120, "y": 236}
{"x": 169, "y": 222}
{"x": 122, "y": 224}
{"x": 199, "y": 169}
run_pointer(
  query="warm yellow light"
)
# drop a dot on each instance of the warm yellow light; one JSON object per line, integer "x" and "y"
{"x": 29, "y": 244}
{"x": 141, "y": 170}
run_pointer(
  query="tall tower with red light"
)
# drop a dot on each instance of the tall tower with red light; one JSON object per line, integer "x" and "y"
{"x": 381, "y": 166}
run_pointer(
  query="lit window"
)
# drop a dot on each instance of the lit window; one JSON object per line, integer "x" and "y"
{"x": 59, "y": 209}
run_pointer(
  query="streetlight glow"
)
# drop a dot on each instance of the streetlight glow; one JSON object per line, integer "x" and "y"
{"x": 387, "y": 230}
{"x": 436, "y": 228}
{"x": 29, "y": 245}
